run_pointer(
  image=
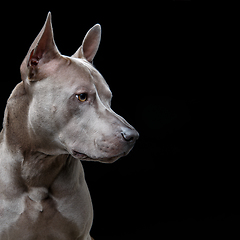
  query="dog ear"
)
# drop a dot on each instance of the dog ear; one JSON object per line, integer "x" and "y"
{"x": 90, "y": 44}
{"x": 42, "y": 50}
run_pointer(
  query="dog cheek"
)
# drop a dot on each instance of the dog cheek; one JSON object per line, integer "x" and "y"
{"x": 72, "y": 135}
{"x": 64, "y": 115}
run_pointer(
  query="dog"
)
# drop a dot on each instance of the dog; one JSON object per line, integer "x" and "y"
{"x": 60, "y": 113}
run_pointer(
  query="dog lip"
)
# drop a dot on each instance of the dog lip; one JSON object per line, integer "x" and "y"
{"x": 83, "y": 156}
{"x": 79, "y": 155}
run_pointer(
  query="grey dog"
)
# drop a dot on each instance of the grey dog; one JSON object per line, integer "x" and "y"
{"x": 56, "y": 116}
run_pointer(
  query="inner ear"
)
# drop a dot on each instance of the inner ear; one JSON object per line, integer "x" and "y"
{"x": 43, "y": 50}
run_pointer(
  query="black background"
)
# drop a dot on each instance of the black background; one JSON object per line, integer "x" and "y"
{"x": 159, "y": 60}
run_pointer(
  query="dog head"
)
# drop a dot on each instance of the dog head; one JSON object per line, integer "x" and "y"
{"x": 70, "y": 102}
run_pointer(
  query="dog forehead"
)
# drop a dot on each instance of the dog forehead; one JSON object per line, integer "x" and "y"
{"x": 90, "y": 75}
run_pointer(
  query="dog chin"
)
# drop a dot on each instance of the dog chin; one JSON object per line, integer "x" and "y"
{"x": 82, "y": 156}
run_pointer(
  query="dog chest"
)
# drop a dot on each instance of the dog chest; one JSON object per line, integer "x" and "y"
{"x": 45, "y": 219}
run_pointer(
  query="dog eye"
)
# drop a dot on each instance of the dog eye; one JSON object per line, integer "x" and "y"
{"x": 82, "y": 97}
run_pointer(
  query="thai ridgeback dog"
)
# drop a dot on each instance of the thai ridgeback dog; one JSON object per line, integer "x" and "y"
{"x": 58, "y": 115}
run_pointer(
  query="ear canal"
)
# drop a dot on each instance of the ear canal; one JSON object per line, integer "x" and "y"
{"x": 32, "y": 61}
{"x": 90, "y": 44}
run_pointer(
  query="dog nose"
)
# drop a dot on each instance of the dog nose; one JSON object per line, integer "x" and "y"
{"x": 130, "y": 135}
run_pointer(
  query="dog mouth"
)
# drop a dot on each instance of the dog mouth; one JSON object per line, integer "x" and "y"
{"x": 82, "y": 156}
{"x": 79, "y": 155}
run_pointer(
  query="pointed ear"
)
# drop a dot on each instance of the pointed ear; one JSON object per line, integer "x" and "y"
{"x": 90, "y": 44}
{"x": 42, "y": 50}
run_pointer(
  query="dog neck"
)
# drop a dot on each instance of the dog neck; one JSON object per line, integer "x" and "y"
{"x": 35, "y": 168}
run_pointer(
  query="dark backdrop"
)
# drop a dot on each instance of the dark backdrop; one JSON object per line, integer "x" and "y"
{"x": 159, "y": 62}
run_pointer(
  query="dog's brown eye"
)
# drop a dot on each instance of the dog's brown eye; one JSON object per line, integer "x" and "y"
{"x": 82, "y": 97}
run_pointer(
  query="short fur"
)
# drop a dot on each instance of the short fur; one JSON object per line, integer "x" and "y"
{"x": 47, "y": 130}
